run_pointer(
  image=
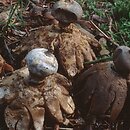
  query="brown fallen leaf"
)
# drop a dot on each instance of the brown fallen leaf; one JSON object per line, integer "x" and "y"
{"x": 4, "y": 17}
{"x": 25, "y": 103}
{"x": 103, "y": 43}
{"x": 4, "y": 67}
{"x": 98, "y": 18}
{"x": 4, "y": 2}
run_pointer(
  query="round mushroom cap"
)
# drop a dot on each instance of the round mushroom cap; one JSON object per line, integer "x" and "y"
{"x": 67, "y": 11}
{"x": 41, "y": 62}
{"x": 121, "y": 59}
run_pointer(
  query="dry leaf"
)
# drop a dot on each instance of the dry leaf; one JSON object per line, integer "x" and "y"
{"x": 4, "y": 2}
{"x": 4, "y": 17}
{"x": 103, "y": 43}
{"x": 4, "y": 67}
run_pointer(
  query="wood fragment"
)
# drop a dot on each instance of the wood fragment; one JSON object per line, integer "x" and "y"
{"x": 61, "y": 128}
{"x": 106, "y": 36}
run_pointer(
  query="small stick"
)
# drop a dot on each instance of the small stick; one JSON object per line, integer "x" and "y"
{"x": 109, "y": 38}
{"x": 99, "y": 60}
{"x": 61, "y": 128}
{"x": 99, "y": 30}
{"x": 110, "y": 24}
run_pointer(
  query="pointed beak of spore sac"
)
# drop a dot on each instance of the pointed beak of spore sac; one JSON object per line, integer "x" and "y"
{"x": 121, "y": 59}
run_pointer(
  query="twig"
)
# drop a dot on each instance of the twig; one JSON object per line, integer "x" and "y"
{"x": 110, "y": 30}
{"x": 123, "y": 39}
{"x": 99, "y": 30}
{"x": 99, "y": 60}
{"x": 109, "y": 38}
{"x": 110, "y": 24}
{"x": 61, "y": 128}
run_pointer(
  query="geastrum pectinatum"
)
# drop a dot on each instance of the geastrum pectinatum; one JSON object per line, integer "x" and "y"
{"x": 101, "y": 91}
{"x": 72, "y": 46}
{"x": 31, "y": 91}
{"x": 67, "y": 11}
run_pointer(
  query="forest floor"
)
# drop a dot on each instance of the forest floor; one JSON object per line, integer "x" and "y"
{"x": 107, "y": 21}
